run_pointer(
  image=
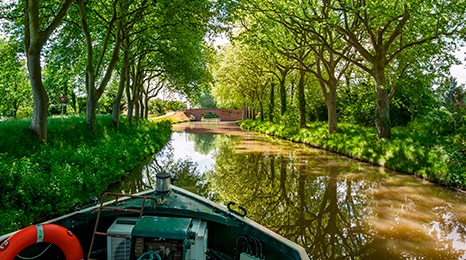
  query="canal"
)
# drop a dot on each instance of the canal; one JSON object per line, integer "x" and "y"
{"x": 336, "y": 207}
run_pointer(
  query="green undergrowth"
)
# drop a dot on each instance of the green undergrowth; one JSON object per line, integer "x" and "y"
{"x": 424, "y": 149}
{"x": 41, "y": 180}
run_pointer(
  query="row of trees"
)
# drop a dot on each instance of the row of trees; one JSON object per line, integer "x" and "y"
{"x": 77, "y": 48}
{"x": 291, "y": 49}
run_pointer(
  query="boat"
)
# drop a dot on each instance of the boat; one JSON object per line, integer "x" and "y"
{"x": 165, "y": 223}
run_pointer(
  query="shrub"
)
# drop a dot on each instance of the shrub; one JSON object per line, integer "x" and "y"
{"x": 210, "y": 115}
{"x": 430, "y": 148}
{"x": 42, "y": 180}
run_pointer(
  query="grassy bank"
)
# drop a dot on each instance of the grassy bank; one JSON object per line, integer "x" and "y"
{"x": 424, "y": 149}
{"x": 39, "y": 181}
{"x": 175, "y": 117}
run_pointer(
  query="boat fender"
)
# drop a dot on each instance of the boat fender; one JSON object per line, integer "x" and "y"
{"x": 50, "y": 233}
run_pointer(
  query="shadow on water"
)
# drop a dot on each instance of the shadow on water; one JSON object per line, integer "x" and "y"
{"x": 337, "y": 208}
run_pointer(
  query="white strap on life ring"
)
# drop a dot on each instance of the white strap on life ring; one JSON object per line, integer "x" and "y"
{"x": 40, "y": 233}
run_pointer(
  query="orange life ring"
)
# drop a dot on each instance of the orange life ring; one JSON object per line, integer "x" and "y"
{"x": 50, "y": 233}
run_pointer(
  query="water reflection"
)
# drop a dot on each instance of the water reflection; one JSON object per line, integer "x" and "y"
{"x": 335, "y": 207}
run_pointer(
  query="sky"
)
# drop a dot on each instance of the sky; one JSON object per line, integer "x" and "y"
{"x": 185, "y": 149}
{"x": 459, "y": 71}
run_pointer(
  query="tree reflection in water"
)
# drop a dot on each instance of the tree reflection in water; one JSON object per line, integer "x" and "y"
{"x": 338, "y": 208}
{"x": 316, "y": 211}
{"x": 335, "y": 207}
{"x": 184, "y": 171}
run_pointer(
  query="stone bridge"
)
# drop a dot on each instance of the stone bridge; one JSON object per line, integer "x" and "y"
{"x": 224, "y": 114}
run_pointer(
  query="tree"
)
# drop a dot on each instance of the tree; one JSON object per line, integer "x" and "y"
{"x": 206, "y": 100}
{"x": 63, "y": 66}
{"x": 242, "y": 77}
{"x": 226, "y": 83}
{"x": 379, "y": 31}
{"x": 171, "y": 47}
{"x": 107, "y": 56}
{"x": 290, "y": 29}
{"x": 15, "y": 93}
{"x": 40, "y": 21}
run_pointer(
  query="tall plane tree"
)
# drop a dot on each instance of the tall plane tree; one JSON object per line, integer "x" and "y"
{"x": 386, "y": 29}
{"x": 171, "y": 46}
{"x": 40, "y": 21}
{"x": 108, "y": 50}
{"x": 292, "y": 31}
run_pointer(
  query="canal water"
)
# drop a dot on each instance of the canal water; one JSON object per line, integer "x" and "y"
{"x": 335, "y": 207}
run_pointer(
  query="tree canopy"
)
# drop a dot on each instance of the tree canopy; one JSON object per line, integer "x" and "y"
{"x": 396, "y": 47}
{"x": 290, "y": 61}
{"x": 77, "y": 48}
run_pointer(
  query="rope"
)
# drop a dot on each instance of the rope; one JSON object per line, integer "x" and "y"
{"x": 34, "y": 257}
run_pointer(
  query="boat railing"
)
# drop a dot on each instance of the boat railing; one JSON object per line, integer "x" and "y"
{"x": 116, "y": 208}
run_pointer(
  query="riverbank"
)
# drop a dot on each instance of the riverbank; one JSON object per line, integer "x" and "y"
{"x": 423, "y": 150}
{"x": 39, "y": 181}
{"x": 174, "y": 117}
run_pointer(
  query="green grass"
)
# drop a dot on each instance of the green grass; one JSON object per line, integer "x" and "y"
{"x": 42, "y": 180}
{"x": 426, "y": 150}
{"x": 174, "y": 118}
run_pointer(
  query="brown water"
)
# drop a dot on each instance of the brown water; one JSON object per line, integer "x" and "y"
{"x": 336, "y": 207}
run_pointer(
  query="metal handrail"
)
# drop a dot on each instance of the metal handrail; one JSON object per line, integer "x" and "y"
{"x": 117, "y": 196}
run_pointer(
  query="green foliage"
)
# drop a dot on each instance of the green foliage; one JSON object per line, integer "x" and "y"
{"x": 156, "y": 107}
{"x": 207, "y": 101}
{"x": 430, "y": 147}
{"x": 175, "y": 105}
{"x": 210, "y": 115}
{"x": 161, "y": 107}
{"x": 316, "y": 108}
{"x": 15, "y": 93}
{"x": 290, "y": 118}
{"x": 42, "y": 180}
{"x": 188, "y": 176}
{"x": 356, "y": 104}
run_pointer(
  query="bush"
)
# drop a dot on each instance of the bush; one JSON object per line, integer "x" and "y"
{"x": 429, "y": 148}
{"x": 43, "y": 180}
{"x": 210, "y": 115}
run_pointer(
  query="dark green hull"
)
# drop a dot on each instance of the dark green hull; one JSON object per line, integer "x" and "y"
{"x": 230, "y": 235}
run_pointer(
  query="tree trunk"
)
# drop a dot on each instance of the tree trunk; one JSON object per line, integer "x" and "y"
{"x": 329, "y": 90}
{"x": 282, "y": 96}
{"x": 74, "y": 102}
{"x": 136, "y": 110}
{"x": 41, "y": 99}
{"x": 245, "y": 111}
{"x": 382, "y": 109}
{"x": 34, "y": 40}
{"x": 331, "y": 103}
{"x": 91, "y": 110}
{"x": 121, "y": 86}
{"x": 261, "y": 105}
{"x": 130, "y": 103}
{"x": 271, "y": 102}
{"x": 146, "y": 114}
{"x": 142, "y": 108}
{"x": 251, "y": 113}
{"x": 302, "y": 99}
{"x": 94, "y": 92}
{"x": 117, "y": 102}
